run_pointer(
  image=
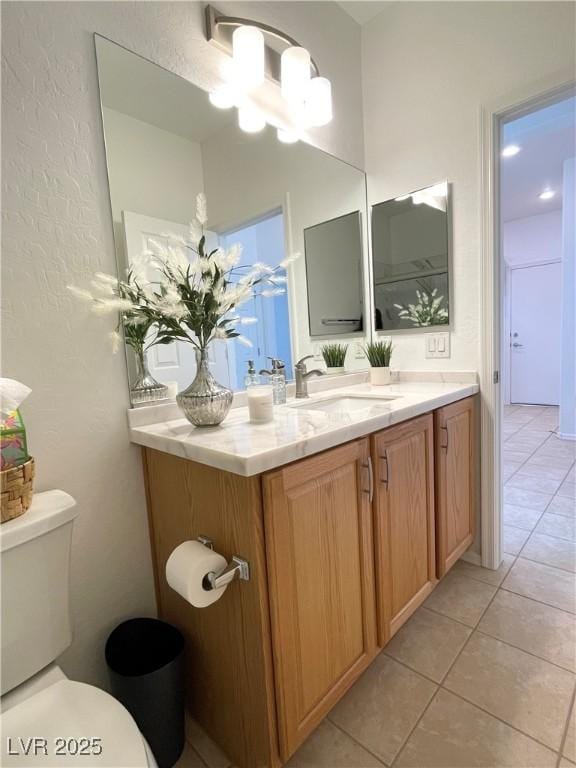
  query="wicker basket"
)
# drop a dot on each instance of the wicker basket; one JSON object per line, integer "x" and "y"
{"x": 16, "y": 487}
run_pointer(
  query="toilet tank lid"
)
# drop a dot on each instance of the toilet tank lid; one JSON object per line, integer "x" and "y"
{"x": 49, "y": 510}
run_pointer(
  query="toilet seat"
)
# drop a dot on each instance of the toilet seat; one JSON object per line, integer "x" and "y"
{"x": 74, "y": 713}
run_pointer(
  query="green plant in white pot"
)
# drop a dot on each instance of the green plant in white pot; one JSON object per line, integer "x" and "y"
{"x": 379, "y": 354}
{"x": 334, "y": 356}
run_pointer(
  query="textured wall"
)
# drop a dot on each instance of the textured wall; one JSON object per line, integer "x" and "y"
{"x": 427, "y": 69}
{"x": 57, "y": 230}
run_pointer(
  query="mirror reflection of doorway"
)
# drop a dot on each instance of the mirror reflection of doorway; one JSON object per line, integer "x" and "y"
{"x": 262, "y": 241}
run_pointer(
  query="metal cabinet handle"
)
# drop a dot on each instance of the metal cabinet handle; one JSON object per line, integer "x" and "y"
{"x": 370, "y": 490}
{"x": 516, "y": 344}
{"x": 385, "y": 480}
{"x": 445, "y": 431}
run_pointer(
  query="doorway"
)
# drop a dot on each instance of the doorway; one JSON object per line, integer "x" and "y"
{"x": 535, "y": 214}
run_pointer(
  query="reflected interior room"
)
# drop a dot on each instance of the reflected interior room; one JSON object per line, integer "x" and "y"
{"x": 288, "y": 390}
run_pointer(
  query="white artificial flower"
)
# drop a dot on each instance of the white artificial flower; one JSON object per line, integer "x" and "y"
{"x": 247, "y": 320}
{"x": 270, "y": 292}
{"x": 220, "y": 333}
{"x": 195, "y": 232}
{"x": 201, "y": 208}
{"x": 244, "y": 341}
{"x": 107, "y": 306}
{"x": 80, "y": 293}
{"x": 104, "y": 289}
{"x": 280, "y": 280}
{"x": 116, "y": 341}
{"x": 289, "y": 259}
{"x": 259, "y": 266}
{"x": 102, "y": 277}
{"x": 233, "y": 255}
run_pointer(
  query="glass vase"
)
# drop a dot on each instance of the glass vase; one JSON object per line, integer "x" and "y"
{"x": 145, "y": 388}
{"x": 205, "y": 403}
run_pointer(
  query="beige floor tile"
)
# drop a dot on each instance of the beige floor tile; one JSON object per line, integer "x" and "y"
{"x": 557, "y": 525}
{"x": 486, "y": 575}
{"x": 571, "y": 476}
{"x": 461, "y": 598}
{"x": 530, "y": 499}
{"x": 536, "y": 628}
{"x": 514, "y": 539}
{"x": 526, "y": 692}
{"x": 550, "y": 550}
{"x": 531, "y": 483}
{"x": 456, "y": 734}
{"x": 519, "y": 457}
{"x": 328, "y": 747}
{"x": 545, "y": 472}
{"x": 521, "y": 517}
{"x": 559, "y": 461}
{"x": 568, "y": 488}
{"x": 208, "y": 750}
{"x": 190, "y": 758}
{"x": 508, "y": 471}
{"x": 381, "y": 709}
{"x": 564, "y": 763}
{"x": 542, "y": 582}
{"x": 569, "y": 750}
{"x": 428, "y": 643}
{"x": 562, "y": 505}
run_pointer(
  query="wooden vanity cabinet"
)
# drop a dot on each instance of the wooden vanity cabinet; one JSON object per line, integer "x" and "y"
{"x": 318, "y": 523}
{"x": 404, "y": 525}
{"x": 455, "y": 436}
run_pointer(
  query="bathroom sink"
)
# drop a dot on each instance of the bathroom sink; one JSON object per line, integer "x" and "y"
{"x": 343, "y": 403}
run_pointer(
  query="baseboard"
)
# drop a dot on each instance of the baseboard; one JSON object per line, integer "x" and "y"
{"x": 471, "y": 557}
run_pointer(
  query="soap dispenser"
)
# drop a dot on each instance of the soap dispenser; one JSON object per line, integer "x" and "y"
{"x": 251, "y": 376}
{"x": 278, "y": 381}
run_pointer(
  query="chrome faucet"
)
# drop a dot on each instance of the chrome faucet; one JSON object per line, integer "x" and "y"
{"x": 302, "y": 376}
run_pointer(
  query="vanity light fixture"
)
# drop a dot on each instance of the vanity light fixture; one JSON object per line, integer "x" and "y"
{"x": 510, "y": 150}
{"x": 306, "y": 94}
{"x": 547, "y": 194}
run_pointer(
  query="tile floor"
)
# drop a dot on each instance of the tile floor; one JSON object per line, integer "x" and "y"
{"x": 484, "y": 673}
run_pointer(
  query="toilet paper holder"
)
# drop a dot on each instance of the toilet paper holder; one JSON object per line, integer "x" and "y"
{"x": 238, "y": 568}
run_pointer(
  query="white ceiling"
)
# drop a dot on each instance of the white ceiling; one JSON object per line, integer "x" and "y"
{"x": 546, "y": 137}
{"x": 363, "y": 11}
{"x": 147, "y": 92}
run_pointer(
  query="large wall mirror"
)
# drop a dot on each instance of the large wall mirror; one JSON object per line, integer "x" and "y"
{"x": 411, "y": 260}
{"x": 165, "y": 143}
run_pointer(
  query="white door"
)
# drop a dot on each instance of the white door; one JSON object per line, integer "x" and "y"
{"x": 535, "y": 301}
{"x": 177, "y": 361}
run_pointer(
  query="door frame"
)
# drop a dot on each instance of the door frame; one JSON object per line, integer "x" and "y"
{"x": 507, "y": 322}
{"x": 520, "y": 102}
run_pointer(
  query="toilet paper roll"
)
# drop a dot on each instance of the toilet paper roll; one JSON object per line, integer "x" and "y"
{"x": 185, "y": 571}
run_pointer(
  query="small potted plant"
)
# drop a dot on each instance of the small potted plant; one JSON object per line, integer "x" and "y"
{"x": 379, "y": 354}
{"x": 334, "y": 356}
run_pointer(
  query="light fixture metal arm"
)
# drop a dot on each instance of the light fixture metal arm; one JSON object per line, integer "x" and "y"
{"x": 218, "y": 32}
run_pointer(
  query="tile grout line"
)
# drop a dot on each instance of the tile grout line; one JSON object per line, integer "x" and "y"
{"x": 566, "y": 729}
{"x": 355, "y": 740}
{"x": 440, "y": 685}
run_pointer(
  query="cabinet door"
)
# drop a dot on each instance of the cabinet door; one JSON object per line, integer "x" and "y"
{"x": 455, "y": 431}
{"x": 403, "y": 521}
{"x": 321, "y": 581}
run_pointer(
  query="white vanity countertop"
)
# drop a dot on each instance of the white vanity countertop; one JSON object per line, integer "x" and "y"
{"x": 249, "y": 449}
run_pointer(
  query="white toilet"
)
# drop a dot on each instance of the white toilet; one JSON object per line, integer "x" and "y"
{"x": 48, "y": 720}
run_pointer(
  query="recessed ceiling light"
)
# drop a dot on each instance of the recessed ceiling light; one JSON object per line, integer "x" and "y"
{"x": 547, "y": 194}
{"x": 510, "y": 150}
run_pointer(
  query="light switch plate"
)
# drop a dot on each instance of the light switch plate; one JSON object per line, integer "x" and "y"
{"x": 437, "y": 345}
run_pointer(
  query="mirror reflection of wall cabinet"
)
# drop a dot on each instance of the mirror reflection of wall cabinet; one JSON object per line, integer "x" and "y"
{"x": 165, "y": 143}
{"x": 411, "y": 260}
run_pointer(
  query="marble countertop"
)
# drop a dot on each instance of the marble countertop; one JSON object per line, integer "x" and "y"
{"x": 249, "y": 449}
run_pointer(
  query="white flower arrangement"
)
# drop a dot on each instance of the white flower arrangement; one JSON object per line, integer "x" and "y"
{"x": 427, "y": 311}
{"x": 195, "y": 294}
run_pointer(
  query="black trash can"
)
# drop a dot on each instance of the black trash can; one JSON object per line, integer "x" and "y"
{"x": 145, "y": 660}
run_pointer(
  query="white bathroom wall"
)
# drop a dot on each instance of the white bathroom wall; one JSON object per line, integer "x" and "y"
{"x": 533, "y": 239}
{"x": 428, "y": 67}
{"x": 57, "y": 230}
